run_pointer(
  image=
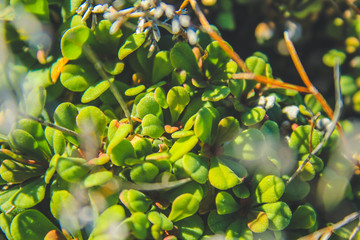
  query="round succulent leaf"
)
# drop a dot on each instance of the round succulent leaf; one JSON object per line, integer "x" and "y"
{"x": 178, "y": 169}
{"x": 65, "y": 116}
{"x": 216, "y": 56}
{"x": 55, "y": 235}
{"x": 142, "y": 146}
{"x": 181, "y": 134}
{"x": 112, "y": 217}
{"x": 135, "y": 90}
{"x": 258, "y": 221}
{"x": 332, "y": 57}
{"x": 249, "y": 145}
{"x": 304, "y": 217}
{"x": 30, "y": 194}
{"x": 296, "y": 190}
{"x": 190, "y": 228}
{"x": 144, "y": 172}
{"x": 221, "y": 176}
{"x": 205, "y": 124}
{"x": 253, "y": 116}
{"x": 148, "y": 105}
{"x": 77, "y": 77}
{"x": 271, "y": 131}
{"x": 227, "y": 130}
{"x": 117, "y": 135}
{"x": 56, "y": 139}
{"x": 5, "y": 221}
{"x": 236, "y": 87}
{"x": 92, "y": 123}
{"x": 97, "y": 178}
{"x": 31, "y": 224}
{"x": 279, "y": 215}
{"x": 348, "y": 85}
{"x": 114, "y": 68}
{"x": 215, "y": 93}
{"x": 219, "y": 223}
{"x": 102, "y": 35}
{"x": 241, "y": 191}
{"x": 177, "y": 99}
{"x": 193, "y": 188}
{"x": 160, "y": 97}
{"x": 35, "y": 101}
{"x": 72, "y": 169}
{"x": 182, "y": 146}
{"x": 152, "y": 126}
{"x": 73, "y": 40}
{"x": 307, "y": 173}
{"x": 135, "y": 201}
{"x": 162, "y": 66}
{"x": 183, "y": 206}
{"x": 270, "y": 189}
{"x": 196, "y": 166}
{"x": 5, "y": 196}
{"x": 238, "y": 230}
{"x": 16, "y": 172}
{"x": 161, "y": 220}
{"x": 225, "y": 203}
{"x": 226, "y": 20}
{"x": 23, "y": 141}
{"x": 300, "y": 137}
{"x": 316, "y": 162}
{"x": 132, "y": 43}
{"x": 123, "y": 150}
{"x": 312, "y": 103}
{"x": 182, "y": 57}
{"x": 139, "y": 225}
{"x": 95, "y": 91}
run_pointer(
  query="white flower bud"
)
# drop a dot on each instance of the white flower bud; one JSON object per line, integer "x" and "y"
{"x": 291, "y": 112}
{"x": 191, "y": 35}
{"x": 185, "y": 20}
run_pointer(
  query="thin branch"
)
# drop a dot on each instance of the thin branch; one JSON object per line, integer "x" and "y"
{"x": 354, "y": 231}
{"x": 100, "y": 69}
{"x": 328, "y": 230}
{"x": 331, "y": 127}
{"x": 265, "y": 80}
{"x": 49, "y": 124}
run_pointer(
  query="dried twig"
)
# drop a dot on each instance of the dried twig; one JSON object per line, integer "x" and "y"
{"x": 327, "y": 231}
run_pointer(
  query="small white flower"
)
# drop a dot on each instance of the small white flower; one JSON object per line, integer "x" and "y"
{"x": 191, "y": 35}
{"x": 323, "y": 123}
{"x": 170, "y": 11}
{"x": 185, "y": 20}
{"x": 115, "y": 26}
{"x": 270, "y": 102}
{"x": 291, "y": 112}
{"x": 100, "y": 8}
{"x": 158, "y": 12}
{"x": 262, "y": 101}
{"x": 175, "y": 25}
{"x": 140, "y": 26}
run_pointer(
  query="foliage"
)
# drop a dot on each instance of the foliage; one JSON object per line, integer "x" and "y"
{"x": 113, "y": 129}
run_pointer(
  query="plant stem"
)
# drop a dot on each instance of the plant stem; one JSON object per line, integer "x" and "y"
{"x": 100, "y": 69}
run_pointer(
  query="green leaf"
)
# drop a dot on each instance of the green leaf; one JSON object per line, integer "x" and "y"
{"x": 225, "y": 203}
{"x": 307, "y": 173}
{"x": 249, "y": 145}
{"x": 73, "y": 40}
{"x": 160, "y": 97}
{"x": 217, "y": 57}
{"x": 221, "y": 176}
{"x": 31, "y": 224}
{"x": 95, "y": 91}
{"x": 56, "y": 139}
{"x": 161, "y": 220}
{"x": 15, "y": 172}
{"x": 139, "y": 225}
{"x": 348, "y": 85}
{"x": 241, "y": 191}
{"x": 148, "y": 105}
{"x": 132, "y": 43}
{"x": 72, "y": 169}
{"x": 65, "y": 116}
{"x": 304, "y": 217}
{"x": 177, "y": 99}
{"x": 219, "y": 223}
{"x": 162, "y": 66}
{"x": 39, "y": 8}
{"x": 30, "y": 194}
{"x": 238, "y": 230}
{"x": 182, "y": 146}
{"x": 215, "y": 93}
{"x": 332, "y": 57}
{"x": 114, "y": 68}
{"x": 142, "y": 146}
{"x": 197, "y": 167}
{"x": 190, "y": 228}
{"x": 205, "y": 124}
{"x": 123, "y": 150}
{"x": 152, "y": 126}
{"x": 253, "y": 116}
{"x": 182, "y": 57}
{"x": 193, "y": 188}
{"x": 135, "y": 90}
{"x": 183, "y": 206}
{"x": 77, "y": 78}
{"x": 98, "y": 178}
{"x": 135, "y": 201}
{"x": 5, "y": 221}
{"x": 35, "y": 101}
{"x": 299, "y": 139}
{"x": 227, "y": 130}
{"x": 296, "y": 190}
{"x": 92, "y": 123}
{"x": 258, "y": 221}
{"x": 145, "y": 172}
{"x": 108, "y": 221}
{"x": 236, "y": 87}
{"x": 115, "y": 138}
{"x": 279, "y": 215}
{"x": 270, "y": 189}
